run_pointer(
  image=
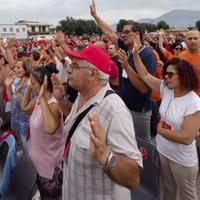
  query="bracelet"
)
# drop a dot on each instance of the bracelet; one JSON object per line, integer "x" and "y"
{"x": 110, "y": 163}
{"x": 102, "y": 166}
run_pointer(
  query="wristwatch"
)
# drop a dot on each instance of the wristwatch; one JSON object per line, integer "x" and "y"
{"x": 110, "y": 163}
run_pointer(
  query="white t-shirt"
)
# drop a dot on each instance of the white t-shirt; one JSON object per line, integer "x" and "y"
{"x": 172, "y": 111}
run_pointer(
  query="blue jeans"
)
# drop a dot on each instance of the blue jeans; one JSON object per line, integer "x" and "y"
{"x": 141, "y": 122}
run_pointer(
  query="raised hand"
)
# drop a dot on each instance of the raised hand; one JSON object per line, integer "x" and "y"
{"x": 137, "y": 44}
{"x": 98, "y": 148}
{"x": 43, "y": 89}
{"x": 5, "y": 45}
{"x": 93, "y": 8}
{"x": 123, "y": 59}
{"x": 161, "y": 40}
{"x": 10, "y": 42}
{"x": 1, "y": 45}
{"x": 60, "y": 37}
{"x": 58, "y": 88}
{"x": 9, "y": 79}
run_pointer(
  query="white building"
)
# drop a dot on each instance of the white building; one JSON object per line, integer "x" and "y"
{"x": 35, "y": 28}
{"x": 26, "y": 30}
{"x": 14, "y": 31}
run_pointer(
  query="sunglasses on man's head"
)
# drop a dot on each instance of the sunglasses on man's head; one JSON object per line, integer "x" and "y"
{"x": 170, "y": 74}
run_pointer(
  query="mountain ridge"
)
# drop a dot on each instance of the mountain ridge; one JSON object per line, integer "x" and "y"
{"x": 179, "y": 18}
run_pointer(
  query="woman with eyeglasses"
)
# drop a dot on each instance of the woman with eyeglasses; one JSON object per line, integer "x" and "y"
{"x": 178, "y": 126}
{"x": 46, "y": 143}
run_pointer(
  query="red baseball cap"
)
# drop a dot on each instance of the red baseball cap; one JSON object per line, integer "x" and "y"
{"x": 95, "y": 56}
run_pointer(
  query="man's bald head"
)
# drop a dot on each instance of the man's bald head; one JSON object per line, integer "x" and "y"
{"x": 192, "y": 40}
{"x": 192, "y": 32}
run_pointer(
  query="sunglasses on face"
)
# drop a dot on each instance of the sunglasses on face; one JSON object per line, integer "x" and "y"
{"x": 170, "y": 74}
{"x": 178, "y": 49}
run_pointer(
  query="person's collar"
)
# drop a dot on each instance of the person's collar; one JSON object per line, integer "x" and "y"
{"x": 96, "y": 99}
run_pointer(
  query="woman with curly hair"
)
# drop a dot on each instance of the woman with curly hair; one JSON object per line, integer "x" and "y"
{"x": 178, "y": 126}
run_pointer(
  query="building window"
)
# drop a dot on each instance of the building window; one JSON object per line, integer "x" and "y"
{"x": 11, "y": 29}
{"x": 4, "y": 29}
{"x": 23, "y": 29}
{"x": 43, "y": 28}
{"x": 33, "y": 29}
{"x": 17, "y": 30}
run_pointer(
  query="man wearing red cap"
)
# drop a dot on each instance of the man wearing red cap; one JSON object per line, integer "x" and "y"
{"x": 101, "y": 156}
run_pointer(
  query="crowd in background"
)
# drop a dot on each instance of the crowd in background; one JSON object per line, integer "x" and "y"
{"x": 155, "y": 74}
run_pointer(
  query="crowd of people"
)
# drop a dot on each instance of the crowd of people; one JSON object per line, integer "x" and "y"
{"x": 77, "y": 105}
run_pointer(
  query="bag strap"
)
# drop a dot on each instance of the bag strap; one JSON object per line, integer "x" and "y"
{"x": 81, "y": 116}
{"x": 3, "y": 137}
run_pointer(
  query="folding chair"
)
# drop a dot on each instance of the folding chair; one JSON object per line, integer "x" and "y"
{"x": 149, "y": 187}
{"x": 23, "y": 180}
{"x": 8, "y": 159}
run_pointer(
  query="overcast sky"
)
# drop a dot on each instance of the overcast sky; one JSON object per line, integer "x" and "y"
{"x": 110, "y": 10}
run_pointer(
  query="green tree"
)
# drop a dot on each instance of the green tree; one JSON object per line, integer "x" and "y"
{"x": 120, "y": 25}
{"x": 162, "y": 24}
{"x": 148, "y": 27}
{"x": 71, "y": 26}
{"x": 198, "y": 24}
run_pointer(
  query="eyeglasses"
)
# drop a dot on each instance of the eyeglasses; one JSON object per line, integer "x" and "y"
{"x": 126, "y": 32}
{"x": 170, "y": 74}
{"x": 74, "y": 66}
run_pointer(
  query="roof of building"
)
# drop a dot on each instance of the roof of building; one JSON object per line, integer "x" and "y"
{"x": 32, "y": 23}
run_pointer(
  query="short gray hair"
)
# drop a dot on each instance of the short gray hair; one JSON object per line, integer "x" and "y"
{"x": 103, "y": 77}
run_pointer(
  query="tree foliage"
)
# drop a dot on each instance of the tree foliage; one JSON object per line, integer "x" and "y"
{"x": 120, "y": 25}
{"x": 144, "y": 26}
{"x": 148, "y": 27}
{"x": 198, "y": 24}
{"x": 71, "y": 26}
{"x": 162, "y": 24}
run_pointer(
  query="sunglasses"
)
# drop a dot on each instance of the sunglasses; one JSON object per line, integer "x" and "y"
{"x": 180, "y": 49}
{"x": 170, "y": 74}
